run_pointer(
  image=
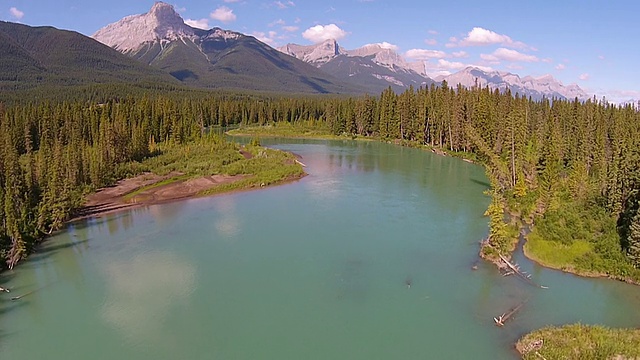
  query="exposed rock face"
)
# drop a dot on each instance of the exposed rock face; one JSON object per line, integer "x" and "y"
{"x": 544, "y": 86}
{"x": 132, "y": 32}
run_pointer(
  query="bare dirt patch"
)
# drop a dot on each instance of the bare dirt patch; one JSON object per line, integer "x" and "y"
{"x": 121, "y": 196}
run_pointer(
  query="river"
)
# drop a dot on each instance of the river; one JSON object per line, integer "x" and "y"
{"x": 315, "y": 269}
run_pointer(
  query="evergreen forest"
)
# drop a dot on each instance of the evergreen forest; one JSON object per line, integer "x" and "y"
{"x": 568, "y": 169}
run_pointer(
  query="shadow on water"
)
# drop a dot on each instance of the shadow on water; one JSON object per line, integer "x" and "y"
{"x": 48, "y": 249}
{"x": 481, "y": 182}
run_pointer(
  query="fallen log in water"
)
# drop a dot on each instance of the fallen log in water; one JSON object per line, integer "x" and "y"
{"x": 514, "y": 269}
{"x": 500, "y": 320}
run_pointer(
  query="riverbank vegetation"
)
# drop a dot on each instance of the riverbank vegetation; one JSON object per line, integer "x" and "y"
{"x": 580, "y": 342}
{"x": 570, "y": 170}
{"x": 568, "y": 167}
{"x": 52, "y": 155}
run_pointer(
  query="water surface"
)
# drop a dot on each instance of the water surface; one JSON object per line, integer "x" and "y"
{"x": 315, "y": 269}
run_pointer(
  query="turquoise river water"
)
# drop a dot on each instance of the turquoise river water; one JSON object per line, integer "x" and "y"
{"x": 314, "y": 269}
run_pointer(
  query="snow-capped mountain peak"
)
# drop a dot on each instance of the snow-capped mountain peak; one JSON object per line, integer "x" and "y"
{"x": 162, "y": 22}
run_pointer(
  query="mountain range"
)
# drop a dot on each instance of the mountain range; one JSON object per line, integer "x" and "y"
{"x": 377, "y": 66}
{"x": 158, "y": 47}
{"x": 214, "y": 58}
{"x": 373, "y": 66}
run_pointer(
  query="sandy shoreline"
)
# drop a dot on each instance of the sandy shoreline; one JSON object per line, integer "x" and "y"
{"x": 140, "y": 191}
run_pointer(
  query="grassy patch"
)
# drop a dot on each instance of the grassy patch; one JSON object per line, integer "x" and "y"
{"x": 212, "y": 156}
{"x": 580, "y": 342}
{"x": 579, "y": 237}
{"x": 554, "y": 254}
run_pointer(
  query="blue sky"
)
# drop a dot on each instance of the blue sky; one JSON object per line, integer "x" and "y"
{"x": 591, "y": 43}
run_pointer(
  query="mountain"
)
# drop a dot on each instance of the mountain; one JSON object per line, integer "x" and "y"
{"x": 373, "y": 66}
{"x": 32, "y": 56}
{"x": 214, "y": 58}
{"x": 536, "y": 88}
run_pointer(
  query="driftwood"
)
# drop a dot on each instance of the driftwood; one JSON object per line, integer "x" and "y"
{"x": 500, "y": 320}
{"x": 515, "y": 269}
{"x": 299, "y": 162}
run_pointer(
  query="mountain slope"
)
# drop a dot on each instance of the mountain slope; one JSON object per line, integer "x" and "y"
{"x": 372, "y": 66}
{"x": 213, "y": 58}
{"x": 31, "y": 56}
{"x": 536, "y": 88}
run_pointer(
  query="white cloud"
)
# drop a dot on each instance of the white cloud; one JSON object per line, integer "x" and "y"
{"x": 459, "y": 54}
{"x": 584, "y": 77}
{"x": 482, "y": 37}
{"x": 601, "y": 57}
{"x": 451, "y": 65}
{"x": 16, "y": 13}
{"x": 200, "y": 24}
{"x": 432, "y": 32}
{"x": 223, "y": 14}
{"x": 320, "y": 33}
{"x": 386, "y": 45}
{"x": 284, "y": 4}
{"x": 561, "y": 66}
{"x": 267, "y": 38}
{"x": 444, "y": 67}
{"x": 425, "y": 54}
{"x": 547, "y": 60}
{"x": 231, "y": 1}
{"x": 515, "y": 67}
{"x": 290, "y": 28}
{"x": 431, "y": 42}
{"x": 508, "y": 55}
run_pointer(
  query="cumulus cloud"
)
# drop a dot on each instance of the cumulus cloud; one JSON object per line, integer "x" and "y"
{"x": 508, "y": 55}
{"x": 223, "y": 14}
{"x": 561, "y": 66}
{"x": 584, "y": 77}
{"x": 459, "y": 54}
{"x": 432, "y": 32}
{"x": 482, "y": 37}
{"x": 200, "y": 24}
{"x": 425, "y": 54}
{"x": 290, "y": 28}
{"x": 15, "y": 13}
{"x": 431, "y": 42}
{"x": 601, "y": 57}
{"x": 320, "y": 33}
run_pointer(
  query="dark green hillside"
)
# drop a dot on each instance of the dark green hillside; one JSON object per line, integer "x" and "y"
{"x": 36, "y": 56}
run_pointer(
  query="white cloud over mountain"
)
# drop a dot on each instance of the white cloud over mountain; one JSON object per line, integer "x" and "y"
{"x": 223, "y": 14}
{"x": 200, "y": 24}
{"x": 425, "y": 54}
{"x": 483, "y": 37}
{"x": 508, "y": 55}
{"x": 17, "y": 14}
{"x": 320, "y": 33}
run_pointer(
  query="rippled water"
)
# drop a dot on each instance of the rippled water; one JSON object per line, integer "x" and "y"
{"x": 316, "y": 269}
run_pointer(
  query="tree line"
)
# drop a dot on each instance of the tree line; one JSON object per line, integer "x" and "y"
{"x": 52, "y": 152}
